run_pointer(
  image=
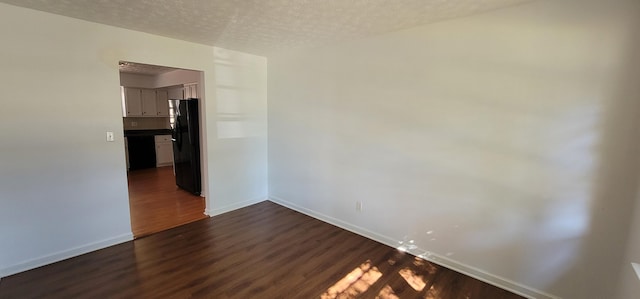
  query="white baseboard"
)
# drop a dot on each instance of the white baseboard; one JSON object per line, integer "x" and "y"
{"x": 337, "y": 222}
{"x": 231, "y": 207}
{"x": 63, "y": 255}
{"x": 481, "y": 275}
{"x": 476, "y": 273}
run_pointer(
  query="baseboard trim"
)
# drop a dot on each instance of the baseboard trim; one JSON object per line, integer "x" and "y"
{"x": 337, "y": 222}
{"x": 484, "y": 276}
{"x": 63, "y": 255}
{"x": 476, "y": 273}
{"x": 235, "y": 206}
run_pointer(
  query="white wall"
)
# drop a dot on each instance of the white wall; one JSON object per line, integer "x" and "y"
{"x": 137, "y": 80}
{"x": 240, "y": 129}
{"x": 63, "y": 189}
{"x": 504, "y": 144}
{"x": 629, "y": 286}
{"x": 177, "y": 77}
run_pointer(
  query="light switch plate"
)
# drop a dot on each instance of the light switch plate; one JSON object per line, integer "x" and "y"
{"x": 110, "y": 137}
{"x": 636, "y": 267}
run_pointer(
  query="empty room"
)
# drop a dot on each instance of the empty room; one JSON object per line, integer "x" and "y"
{"x": 320, "y": 149}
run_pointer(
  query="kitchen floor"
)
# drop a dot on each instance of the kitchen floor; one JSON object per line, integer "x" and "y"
{"x": 157, "y": 204}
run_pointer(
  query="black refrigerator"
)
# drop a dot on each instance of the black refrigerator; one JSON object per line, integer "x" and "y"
{"x": 186, "y": 144}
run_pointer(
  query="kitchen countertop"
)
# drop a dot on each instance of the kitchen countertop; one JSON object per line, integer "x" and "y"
{"x": 131, "y": 133}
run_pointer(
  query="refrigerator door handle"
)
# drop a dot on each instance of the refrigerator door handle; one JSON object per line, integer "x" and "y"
{"x": 190, "y": 131}
{"x": 178, "y": 136}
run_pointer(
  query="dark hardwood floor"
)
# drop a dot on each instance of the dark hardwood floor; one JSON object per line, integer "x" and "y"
{"x": 157, "y": 204}
{"x": 262, "y": 251}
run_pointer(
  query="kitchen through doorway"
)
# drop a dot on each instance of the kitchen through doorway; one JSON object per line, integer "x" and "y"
{"x": 162, "y": 122}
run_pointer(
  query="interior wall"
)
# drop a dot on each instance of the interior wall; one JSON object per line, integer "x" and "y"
{"x": 629, "y": 278}
{"x": 240, "y": 128}
{"x": 177, "y": 77}
{"x": 137, "y": 80}
{"x": 629, "y": 285}
{"x": 64, "y": 190}
{"x": 502, "y": 144}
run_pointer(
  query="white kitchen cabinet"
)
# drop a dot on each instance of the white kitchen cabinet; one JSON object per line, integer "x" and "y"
{"x": 141, "y": 102}
{"x": 190, "y": 91}
{"x": 164, "y": 150}
{"x": 162, "y": 103}
{"x": 133, "y": 101}
{"x": 149, "y": 102}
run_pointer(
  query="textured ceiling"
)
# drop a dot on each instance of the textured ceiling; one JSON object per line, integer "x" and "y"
{"x": 143, "y": 69}
{"x": 263, "y": 26}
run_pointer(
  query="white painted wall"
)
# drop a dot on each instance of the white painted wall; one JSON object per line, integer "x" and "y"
{"x": 629, "y": 286}
{"x": 239, "y": 127}
{"x": 177, "y": 77}
{"x": 63, "y": 189}
{"x": 504, "y": 144}
{"x": 137, "y": 80}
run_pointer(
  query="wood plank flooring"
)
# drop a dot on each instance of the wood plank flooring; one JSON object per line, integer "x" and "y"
{"x": 261, "y": 251}
{"x": 157, "y": 204}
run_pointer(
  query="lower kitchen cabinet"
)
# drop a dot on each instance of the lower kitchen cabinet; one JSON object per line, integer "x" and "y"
{"x": 164, "y": 150}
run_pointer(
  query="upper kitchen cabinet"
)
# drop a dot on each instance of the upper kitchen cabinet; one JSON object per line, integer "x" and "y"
{"x": 162, "y": 102}
{"x": 149, "y": 102}
{"x": 190, "y": 91}
{"x": 140, "y": 102}
{"x": 144, "y": 102}
{"x": 132, "y": 102}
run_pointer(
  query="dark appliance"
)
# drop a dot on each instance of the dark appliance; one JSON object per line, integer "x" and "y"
{"x": 186, "y": 144}
{"x": 142, "y": 152}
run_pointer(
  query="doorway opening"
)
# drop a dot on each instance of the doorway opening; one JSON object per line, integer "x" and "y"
{"x": 163, "y": 145}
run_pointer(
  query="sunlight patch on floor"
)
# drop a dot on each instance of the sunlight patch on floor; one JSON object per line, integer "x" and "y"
{"x": 433, "y": 293}
{"x": 414, "y": 280}
{"x": 354, "y": 283}
{"x": 387, "y": 293}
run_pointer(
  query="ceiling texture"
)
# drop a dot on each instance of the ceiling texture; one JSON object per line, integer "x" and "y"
{"x": 143, "y": 69}
{"x": 264, "y": 26}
